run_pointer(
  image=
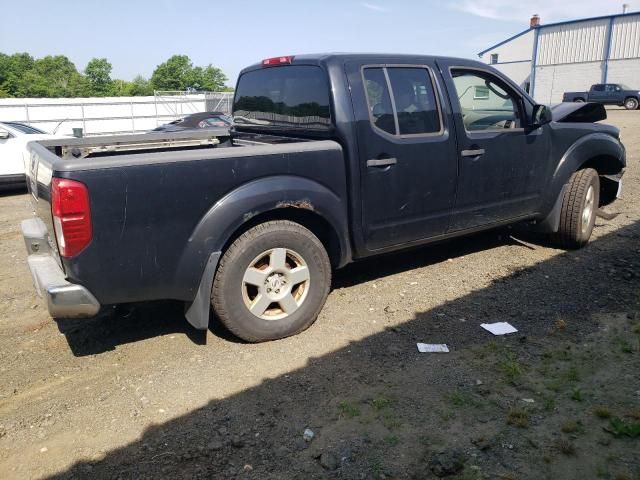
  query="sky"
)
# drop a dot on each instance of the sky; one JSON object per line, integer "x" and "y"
{"x": 137, "y": 35}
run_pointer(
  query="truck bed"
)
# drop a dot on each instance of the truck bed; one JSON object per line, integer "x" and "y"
{"x": 152, "y": 196}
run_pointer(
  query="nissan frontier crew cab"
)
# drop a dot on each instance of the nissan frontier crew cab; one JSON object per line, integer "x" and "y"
{"x": 331, "y": 158}
{"x": 607, "y": 94}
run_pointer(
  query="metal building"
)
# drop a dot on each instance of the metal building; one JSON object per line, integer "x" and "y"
{"x": 547, "y": 60}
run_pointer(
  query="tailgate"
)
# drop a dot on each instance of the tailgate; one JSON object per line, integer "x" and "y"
{"x": 39, "y": 173}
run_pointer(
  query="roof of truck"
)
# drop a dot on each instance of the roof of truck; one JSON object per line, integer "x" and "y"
{"x": 341, "y": 57}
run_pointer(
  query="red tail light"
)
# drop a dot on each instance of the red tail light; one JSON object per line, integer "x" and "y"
{"x": 267, "y": 62}
{"x": 71, "y": 215}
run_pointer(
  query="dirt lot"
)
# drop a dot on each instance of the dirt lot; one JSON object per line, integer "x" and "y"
{"x": 140, "y": 395}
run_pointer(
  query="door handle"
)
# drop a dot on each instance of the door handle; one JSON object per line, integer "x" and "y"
{"x": 381, "y": 162}
{"x": 472, "y": 153}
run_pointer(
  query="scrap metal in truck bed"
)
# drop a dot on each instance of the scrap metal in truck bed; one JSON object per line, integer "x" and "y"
{"x": 332, "y": 158}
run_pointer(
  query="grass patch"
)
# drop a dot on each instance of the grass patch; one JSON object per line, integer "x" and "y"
{"x": 565, "y": 446}
{"x": 460, "y": 398}
{"x": 390, "y": 419}
{"x": 623, "y": 345}
{"x": 391, "y": 440}
{"x": 518, "y": 417}
{"x": 572, "y": 374}
{"x": 602, "y": 412}
{"x": 381, "y": 403}
{"x": 549, "y": 404}
{"x": 622, "y": 428}
{"x": 348, "y": 410}
{"x": 512, "y": 370}
{"x": 577, "y": 395}
{"x": 570, "y": 426}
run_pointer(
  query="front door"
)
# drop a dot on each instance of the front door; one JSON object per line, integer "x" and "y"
{"x": 407, "y": 153}
{"x": 502, "y": 164}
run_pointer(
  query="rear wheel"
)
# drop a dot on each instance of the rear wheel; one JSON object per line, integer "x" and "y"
{"x": 578, "y": 100}
{"x": 579, "y": 206}
{"x": 272, "y": 282}
{"x": 631, "y": 103}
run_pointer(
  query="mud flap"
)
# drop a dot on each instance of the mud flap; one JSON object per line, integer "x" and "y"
{"x": 197, "y": 313}
{"x": 551, "y": 223}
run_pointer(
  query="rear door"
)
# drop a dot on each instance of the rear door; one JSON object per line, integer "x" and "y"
{"x": 407, "y": 153}
{"x": 502, "y": 164}
{"x": 598, "y": 94}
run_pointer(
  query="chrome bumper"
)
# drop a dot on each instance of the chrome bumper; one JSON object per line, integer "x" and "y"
{"x": 64, "y": 299}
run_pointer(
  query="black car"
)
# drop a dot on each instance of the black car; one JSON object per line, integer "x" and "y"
{"x": 196, "y": 121}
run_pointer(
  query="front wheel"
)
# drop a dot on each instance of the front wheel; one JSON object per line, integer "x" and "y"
{"x": 271, "y": 282}
{"x": 631, "y": 104}
{"x": 579, "y": 205}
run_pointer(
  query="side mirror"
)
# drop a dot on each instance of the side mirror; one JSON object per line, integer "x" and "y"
{"x": 4, "y": 134}
{"x": 541, "y": 116}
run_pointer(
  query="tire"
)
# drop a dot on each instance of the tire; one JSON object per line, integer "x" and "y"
{"x": 579, "y": 206}
{"x": 262, "y": 291}
{"x": 631, "y": 103}
{"x": 578, "y": 100}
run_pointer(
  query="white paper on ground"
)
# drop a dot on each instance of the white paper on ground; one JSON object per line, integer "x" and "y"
{"x": 433, "y": 348}
{"x": 499, "y": 328}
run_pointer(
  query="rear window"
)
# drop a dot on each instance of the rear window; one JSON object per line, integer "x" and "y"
{"x": 295, "y": 96}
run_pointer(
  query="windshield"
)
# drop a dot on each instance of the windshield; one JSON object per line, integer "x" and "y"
{"x": 21, "y": 127}
{"x": 294, "y": 96}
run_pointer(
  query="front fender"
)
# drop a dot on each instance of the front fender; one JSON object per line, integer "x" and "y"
{"x": 583, "y": 150}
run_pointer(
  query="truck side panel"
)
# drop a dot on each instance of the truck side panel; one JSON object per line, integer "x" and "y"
{"x": 149, "y": 242}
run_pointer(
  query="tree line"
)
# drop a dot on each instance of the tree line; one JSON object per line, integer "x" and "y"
{"x": 21, "y": 75}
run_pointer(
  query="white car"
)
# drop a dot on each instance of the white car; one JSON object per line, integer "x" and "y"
{"x": 14, "y": 137}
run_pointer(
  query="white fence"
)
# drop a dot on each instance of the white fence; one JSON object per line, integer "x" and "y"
{"x": 110, "y": 115}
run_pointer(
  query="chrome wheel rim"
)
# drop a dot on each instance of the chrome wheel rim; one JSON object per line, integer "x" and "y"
{"x": 276, "y": 284}
{"x": 631, "y": 104}
{"x": 587, "y": 211}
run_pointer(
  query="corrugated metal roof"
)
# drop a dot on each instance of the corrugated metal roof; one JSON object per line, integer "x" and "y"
{"x": 572, "y": 43}
{"x": 625, "y": 38}
{"x": 567, "y": 22}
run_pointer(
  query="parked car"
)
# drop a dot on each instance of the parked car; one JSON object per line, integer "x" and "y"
{"x": 607, "y": 94}
{"x": 13, "y": 141}
{"x": 196, "y": 121}
{"x": 332, "y": 158}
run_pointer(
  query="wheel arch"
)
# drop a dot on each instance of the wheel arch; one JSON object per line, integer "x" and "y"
{"x": 293, "y": 198}
{"x": 599, "y": 151}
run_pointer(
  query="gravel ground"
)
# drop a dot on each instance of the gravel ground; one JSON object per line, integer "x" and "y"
{"x": 138, "y": 394}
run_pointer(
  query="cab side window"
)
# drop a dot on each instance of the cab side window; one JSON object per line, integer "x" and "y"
{"x": 415, "y": 100}
{"x": 402, "y": 100}
{"x": 379, "y": 100}
{"x": 486, "y": 103}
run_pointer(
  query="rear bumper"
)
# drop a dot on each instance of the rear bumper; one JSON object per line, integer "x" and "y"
{"x": 63, "y": 298}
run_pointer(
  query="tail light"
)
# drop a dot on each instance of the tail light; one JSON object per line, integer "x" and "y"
{"x": 71, "y": 215}
{"x": 268, "y": 62}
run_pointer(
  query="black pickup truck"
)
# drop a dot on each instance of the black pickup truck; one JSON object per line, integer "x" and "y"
{"x": 607, "y": 94}
{"x": 331, "y": 159}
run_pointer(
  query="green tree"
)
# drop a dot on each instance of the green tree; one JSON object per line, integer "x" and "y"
{"x": 53, "y": 76}
{"x": 98, "y": 73}
{"x": 141, "y": 86}
{"x": 178, "y": 73}
{"x": 12, "y": 69}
